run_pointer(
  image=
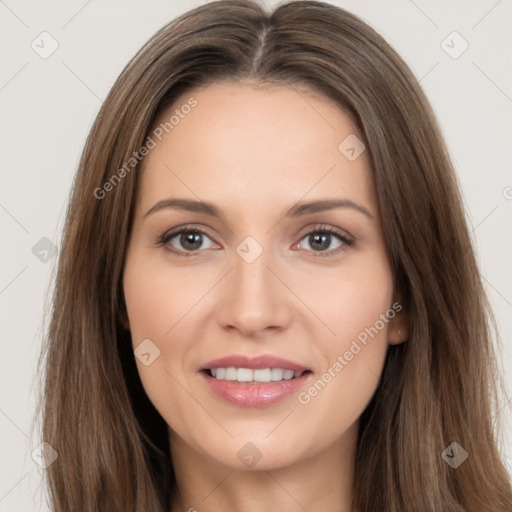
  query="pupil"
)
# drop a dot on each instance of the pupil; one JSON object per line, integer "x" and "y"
{"x": 191, "y": 240}
{"x": 320, "y": 241}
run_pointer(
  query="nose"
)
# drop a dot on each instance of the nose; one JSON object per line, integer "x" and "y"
{"x": 254, "y": 299}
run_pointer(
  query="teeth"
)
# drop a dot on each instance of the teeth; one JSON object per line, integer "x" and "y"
{"x": 249, "y": 375}
{"x": 230, "y": 373}
{"x": 244, "y": 375}
{"x": 262, "y": 375}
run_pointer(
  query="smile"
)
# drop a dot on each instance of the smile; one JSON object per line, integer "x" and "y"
{"x": 254, "y": 382}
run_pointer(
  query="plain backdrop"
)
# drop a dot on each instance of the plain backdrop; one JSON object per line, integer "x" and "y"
{"x": 48, "y": 103}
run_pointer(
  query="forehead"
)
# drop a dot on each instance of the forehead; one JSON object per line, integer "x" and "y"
{"x": 255, "y": 145}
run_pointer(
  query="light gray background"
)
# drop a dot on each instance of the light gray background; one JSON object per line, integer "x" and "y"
{"x": 48, "y": 105}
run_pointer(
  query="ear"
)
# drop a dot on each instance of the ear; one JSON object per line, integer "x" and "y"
{"x": 398, "y": 329}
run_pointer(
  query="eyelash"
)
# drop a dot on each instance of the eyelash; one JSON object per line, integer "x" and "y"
{"x": 345, "y": 240}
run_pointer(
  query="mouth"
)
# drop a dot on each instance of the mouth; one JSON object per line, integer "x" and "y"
{"x": 254, "y": 382}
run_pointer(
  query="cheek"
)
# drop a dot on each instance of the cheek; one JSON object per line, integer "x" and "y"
{"x": 157, "y": 297}
{"x": 157, "y": 302}
{"x": 350, "y": 299}
{"x": 357, "y": 308}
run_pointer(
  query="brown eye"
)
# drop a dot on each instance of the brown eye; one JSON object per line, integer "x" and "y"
{"x": 320, "y": 241}
{"x": 187, "y": 241}
{"x": 325, "y": 240}
{"x": 191, "y": 240}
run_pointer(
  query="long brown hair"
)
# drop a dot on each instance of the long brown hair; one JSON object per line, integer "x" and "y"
{"x": 437, "y": 388}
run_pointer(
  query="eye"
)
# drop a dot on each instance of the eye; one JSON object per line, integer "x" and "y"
{"x": 187, "y": 240}
{"x": 190, "y": 240}
{"x": 325, "y": 240}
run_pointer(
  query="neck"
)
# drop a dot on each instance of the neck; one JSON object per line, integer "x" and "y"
{"x": 320, "y": 483}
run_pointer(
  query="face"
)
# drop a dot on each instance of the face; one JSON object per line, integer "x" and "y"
{"x": 257, "y": 238}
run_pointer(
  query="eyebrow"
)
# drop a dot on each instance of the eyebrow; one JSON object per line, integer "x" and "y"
{"x": 297, "y": 210}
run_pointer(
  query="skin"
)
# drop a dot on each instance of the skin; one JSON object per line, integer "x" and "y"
{"x": 254, "y": 152}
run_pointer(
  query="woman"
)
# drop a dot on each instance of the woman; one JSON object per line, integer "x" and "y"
{"x": 267, "y": 295}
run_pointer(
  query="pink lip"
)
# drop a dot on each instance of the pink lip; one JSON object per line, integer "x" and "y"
{"x": 254, "y": 363}
{"x": 254, "y": 394}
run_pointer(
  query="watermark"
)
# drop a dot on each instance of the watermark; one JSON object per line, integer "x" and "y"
{"x": 44, "y": 455}
{"x": 44, "y": 45}
{"x": 304, "y": 397}
{"x": 249, "y": 249}
{"x": 351, "y": 147}
{"x": 137, "y": 156}
{"x": 454, "y": 455}
{"x": 44, "y": 250}
{"x": 249, "y": 455}
{"x": 454, "y": 45}
{"x": 146, "y": 352}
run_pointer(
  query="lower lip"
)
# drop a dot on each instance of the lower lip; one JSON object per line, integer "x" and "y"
{"x": 255, "y": 395}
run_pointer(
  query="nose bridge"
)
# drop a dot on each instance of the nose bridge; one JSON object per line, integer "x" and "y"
{"x": 252, "y": 278}
{"x": 254, "y": 299}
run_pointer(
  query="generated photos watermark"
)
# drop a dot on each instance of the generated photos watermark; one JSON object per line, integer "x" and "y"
{"x": 137, "y": 156}
{"x": 305, "y": 397}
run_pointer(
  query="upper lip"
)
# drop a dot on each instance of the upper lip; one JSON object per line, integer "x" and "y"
{"x": 253, "y": 362}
